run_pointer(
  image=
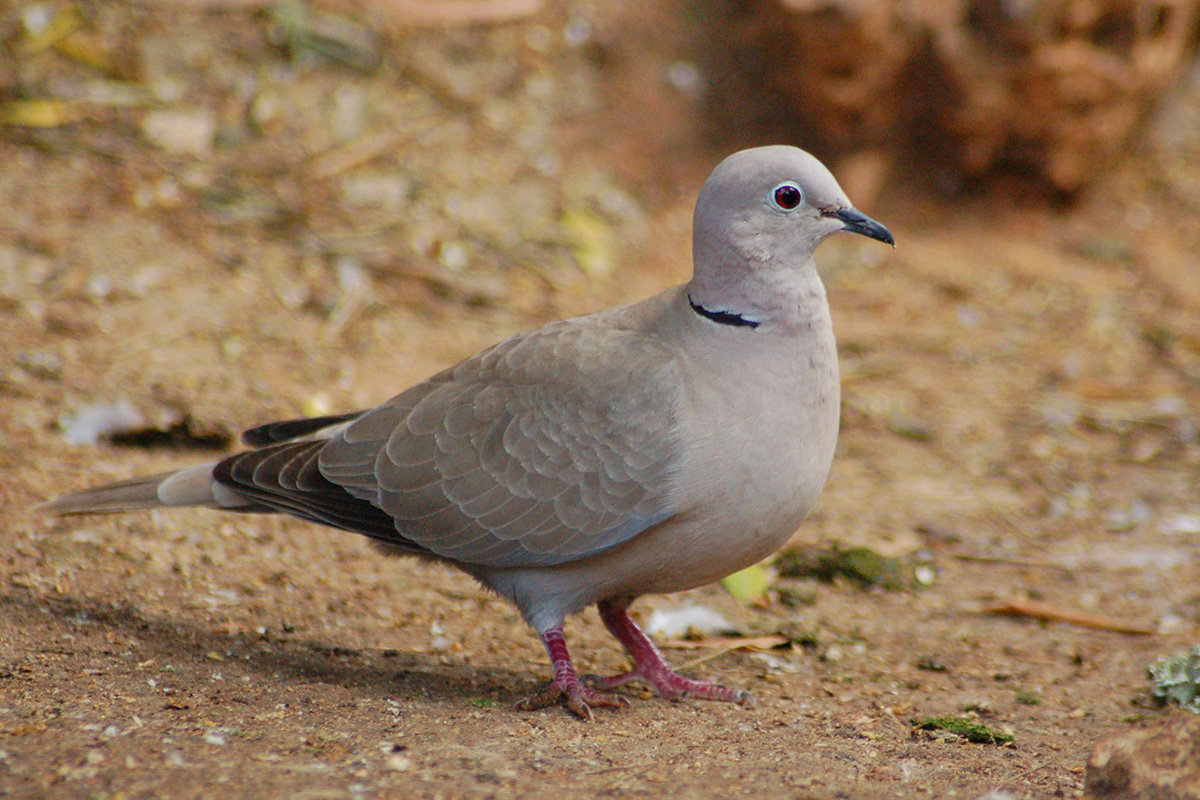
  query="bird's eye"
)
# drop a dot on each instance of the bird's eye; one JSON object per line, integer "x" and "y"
{"x": 787, "y": 196}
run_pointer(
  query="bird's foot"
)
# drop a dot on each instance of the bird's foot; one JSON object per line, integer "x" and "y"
{"x": 668, "y": 683}
{"x": 650, "y": 666}
{"x": 579, "y": 698}
{"x": 566, "y": 686}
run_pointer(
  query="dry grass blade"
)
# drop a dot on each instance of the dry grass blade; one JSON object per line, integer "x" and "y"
{"x": 1016, "y": 607}
{"x": 342, "y": 159}
{"x": 455, "y": 12}
{"x": 1011, "y": 562}
{"x": 727, "y": 645}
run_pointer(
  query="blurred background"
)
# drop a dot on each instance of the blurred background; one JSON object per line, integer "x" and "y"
{"x": 215, "y": 213}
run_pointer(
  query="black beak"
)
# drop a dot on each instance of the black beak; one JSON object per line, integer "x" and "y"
{"x": 857, "y": 222}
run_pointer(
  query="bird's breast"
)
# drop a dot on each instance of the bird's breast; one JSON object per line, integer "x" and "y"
{"x": 755, "y": 438}
{"x": 762, "y": 425}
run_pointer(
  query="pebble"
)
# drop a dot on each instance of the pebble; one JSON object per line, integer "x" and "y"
{"x": 181, "y": 131}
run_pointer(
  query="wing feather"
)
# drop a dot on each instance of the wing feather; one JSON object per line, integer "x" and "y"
{"x": 285, "y": 430}
{"x": 536, "y": 452}
{"x": 552, "y": 446}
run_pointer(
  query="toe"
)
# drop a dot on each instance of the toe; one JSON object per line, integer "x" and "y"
{"x": 549, "y": 696}
{"x": 579, "y": 699}
{"x": 604, "y": 683}
{"x": 579, "y": 707}
{"x": 606, "y": 700}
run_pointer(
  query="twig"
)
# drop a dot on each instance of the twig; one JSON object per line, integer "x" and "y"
{"x": 341, "y": 159}
{"x": 456, "y": 12}
{"x": 213, "y": 5}
{"x": 756, "y": 643}
{"x": 1017, "y": 607}
{"x": 1022, "y": 776}
{"x": 621, "y": 768}
{"x": 1014, "y": 562}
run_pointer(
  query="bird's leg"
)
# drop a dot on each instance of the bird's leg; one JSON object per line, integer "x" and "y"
{"x": 566, "y": 685}
{"x": 650, "y": 666}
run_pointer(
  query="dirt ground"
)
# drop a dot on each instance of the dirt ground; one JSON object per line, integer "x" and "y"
{"x": 237, "y": 221}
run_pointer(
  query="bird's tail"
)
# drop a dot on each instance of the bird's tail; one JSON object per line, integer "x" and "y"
{"x": 193, "y": 486}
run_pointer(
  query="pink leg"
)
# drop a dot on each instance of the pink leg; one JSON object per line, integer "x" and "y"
{"x": 650, "y": 666}
{"x": 566, "y": 685}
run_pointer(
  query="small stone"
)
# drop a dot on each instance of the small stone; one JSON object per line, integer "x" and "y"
{"x": 399, "y": 763}
{"x": 376, "y": 190}
{"x": 45, "y": 364}
{"x": 453, "y": 256}
{"x": 181, "y": 131}
{"x": 968, "y": 317}
{"x": 1181, "y": 523}
{"x": 687, "y": 78}
{"x": 439, "y": 642}
{"x": 266, "y": 108}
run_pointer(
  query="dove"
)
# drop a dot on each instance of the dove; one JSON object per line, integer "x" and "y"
{"x": 645, "y": 449}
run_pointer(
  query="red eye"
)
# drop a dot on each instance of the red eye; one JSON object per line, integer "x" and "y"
{"x": 787, "y": 196}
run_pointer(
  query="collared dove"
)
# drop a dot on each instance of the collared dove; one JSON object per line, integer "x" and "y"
{"x": 650, "y": 448}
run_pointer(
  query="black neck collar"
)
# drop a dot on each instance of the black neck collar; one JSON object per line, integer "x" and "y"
{"x": 722, "y": 317}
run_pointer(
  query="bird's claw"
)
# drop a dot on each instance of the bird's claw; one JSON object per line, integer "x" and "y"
{"x": 670, "y": 685}
{"x": 578, "y": 698}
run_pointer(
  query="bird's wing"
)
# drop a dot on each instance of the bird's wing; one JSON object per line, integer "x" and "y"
{"x": 552, "y": 446}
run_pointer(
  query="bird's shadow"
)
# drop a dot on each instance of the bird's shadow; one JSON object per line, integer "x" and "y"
{"x": 378, "y": 673}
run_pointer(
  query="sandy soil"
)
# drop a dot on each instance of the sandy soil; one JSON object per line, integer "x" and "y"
{"x": 1021, "y": 400}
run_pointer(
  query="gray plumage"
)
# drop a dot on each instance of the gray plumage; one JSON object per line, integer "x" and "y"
{"x": 643, "y": 449}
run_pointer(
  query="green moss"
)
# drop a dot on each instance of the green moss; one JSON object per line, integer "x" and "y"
{"x": 968, "y": 729}
{"x": 864, "y": 567}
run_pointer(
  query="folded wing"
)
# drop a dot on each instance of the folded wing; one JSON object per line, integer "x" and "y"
{"x": 550, "y": 447}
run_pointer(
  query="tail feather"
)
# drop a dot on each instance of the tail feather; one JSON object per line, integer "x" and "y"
{"x": 193, "y": 486}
